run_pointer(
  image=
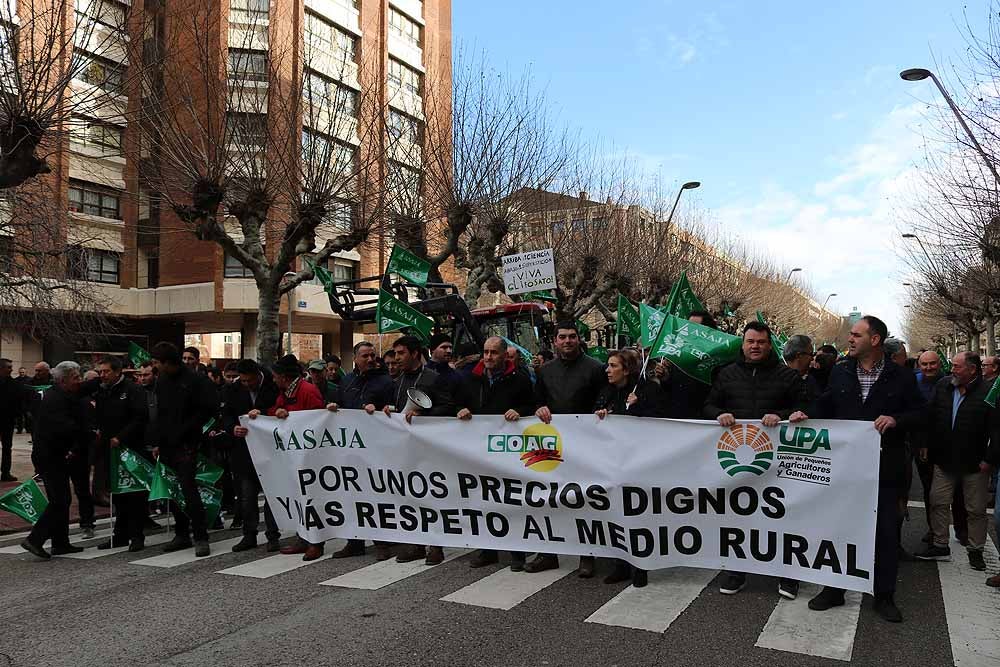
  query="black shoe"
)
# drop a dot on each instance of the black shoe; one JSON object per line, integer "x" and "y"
{"x": 934, "y": 552}
{"x": 541, "y": 563}
{"x": 113, "y": 543}
{"x": 236, "y": 524}
{"x": 246, "y": 544}
{"x": 411, "y": 554}
{"x": 586, "y": 569}
{"x": 517, "y": 562}
{"x": 201, "y": 548}
{"x": 483, "y": 558}
{"x": 827, "y": 599}
{"x": 7, "y": 478}
{"x": 622, "y": 572}
{"x": 178, "y": 543}
{"x": 733, "y": 583}
{"x": 639, "y": 578}
{"x": 137, "y": 545}
{"x": 66, "y": 549}
{"x": 976, "y": 560}
{"x": 35, "y": 550}
{"x": 885, "y": 607}
{"x": 788, "y": 588}
{"x": 351, "y": 549}
{"x": 273, "y": 545}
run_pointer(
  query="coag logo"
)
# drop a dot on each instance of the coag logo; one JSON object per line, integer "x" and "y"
{"x": 745, "y": 435}
{"x": 802, "y": 440}
{"x": 540, "y": 446}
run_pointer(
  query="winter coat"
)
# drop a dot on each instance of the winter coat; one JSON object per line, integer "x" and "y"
{"x": 238, "y": 401}
{"x": 974, "y": 438}
{"x": 449, "y": 376}
{"x": 750, "y": 391}
{"x": 304, "y": 396}
{"x": 14, "y": 398}
{"x": 185, "y": 402}
{"x": 429, "y": 382}
{"x": 894, "y": 394}
{"x": 357, "y": 390}
{"x": 614, "y": 400}
{"x": 122, "y": 413}
{"x": 570, "y": 386}
{"x": 61, "y": 426}
{"x": 510, "y": 390}
{"x": 683, "y": 396}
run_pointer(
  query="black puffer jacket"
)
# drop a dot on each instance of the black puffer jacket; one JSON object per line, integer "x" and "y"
{"x": 750, "y": 391}
{"x": 61, "y": 426}
{"x": 184, "y": 404}
{"x": 511, "y": 391}
{"x": 649, "y": 404}
{"x": 976, "y": 435}
{"x": 570, "y": 386}
{"x": 429, "y": 382}
{"x": 356, "y": 390}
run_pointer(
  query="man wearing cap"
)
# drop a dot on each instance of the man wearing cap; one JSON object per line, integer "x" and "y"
{"x": 440, "y": 349}
{"x": 319, "y": 378}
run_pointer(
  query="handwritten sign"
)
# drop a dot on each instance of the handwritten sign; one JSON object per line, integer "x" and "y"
{"x": 529, "y": 272}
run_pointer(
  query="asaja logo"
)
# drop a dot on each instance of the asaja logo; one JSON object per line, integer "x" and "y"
{"x": 745, "y": 435}
{"x": 540, "y": 446}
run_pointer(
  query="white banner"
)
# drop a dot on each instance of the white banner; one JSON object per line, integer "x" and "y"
{"x": 797, "y": 501}
{"x": 529, "y": 272}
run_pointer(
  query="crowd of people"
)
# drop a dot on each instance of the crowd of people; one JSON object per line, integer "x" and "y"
{"x": 178, "y": 408}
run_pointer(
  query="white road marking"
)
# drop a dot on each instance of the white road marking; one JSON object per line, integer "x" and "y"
{"x": 387, "y": 572}
{"x": 655, "y": 606}
{"x": 99, "y": 536}
{"x": 829, "y": 634}
{"x": 972, "y": 609}
{"x": 185, "y": 556}
{"x": 505, "y": 589}
{"x": 93, "y": 552}
{"x": 264, "y": 568}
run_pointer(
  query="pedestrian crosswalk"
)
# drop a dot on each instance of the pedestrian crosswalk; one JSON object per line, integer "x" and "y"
{"x": 972, "y": 609}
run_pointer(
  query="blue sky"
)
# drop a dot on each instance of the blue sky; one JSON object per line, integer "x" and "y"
{"x": 791, "y": 114}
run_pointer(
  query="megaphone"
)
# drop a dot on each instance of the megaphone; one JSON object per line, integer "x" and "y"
{"x": 416, "y": 400}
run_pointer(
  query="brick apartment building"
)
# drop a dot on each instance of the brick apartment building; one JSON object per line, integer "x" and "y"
{"x": 173, "y": 287}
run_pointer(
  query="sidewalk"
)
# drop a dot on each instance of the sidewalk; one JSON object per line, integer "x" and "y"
{"x": 23, "y": 469}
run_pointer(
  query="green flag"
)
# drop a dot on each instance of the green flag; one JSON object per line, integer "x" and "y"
{"x": 25, "y": 500}
{"x": 137, "y": 354}
{"x": 991, "y": 398}
{"x": 404, "y": 263}
{"x": 525, "y": 354}
{"x": 682, "y": 300}
{"x": 598, "y": 352}
{"x": 165, "y": 486}
{"x": 582, "y": 328}
{"x": 391, "y": 314}
{"x": 627, "y": 321}
{"x": 695, "y": 349}
{"x": 650, "y": 319}
{"x": 324, "y": 277}
{"x": 544, "y": 295}
{"x": 777, "y": 340}
{"x": 207, "y": 472}
{"x": 130, "y": 472}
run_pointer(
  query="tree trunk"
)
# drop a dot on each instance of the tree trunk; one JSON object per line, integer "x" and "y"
{"x": 268, "y": 329}
{"x": 991, "y": 338}
{"x": 974, "y": 340}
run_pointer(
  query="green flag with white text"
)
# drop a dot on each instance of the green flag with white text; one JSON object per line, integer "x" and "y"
{"x": 650, "y": 319}
{"x": 526, "y": 356}
{"x": 991, "y": 398}
{"x": 682, "y": 300}
{"x": 164, "y": 485}
{"x": 137, "y": 354}
{"x": 598, "y": 352}
{"x": 25, "y": 500}
{"x": 695, "y": 349}
{"x": 130, "y": 473}
{"x": 627, "y": 320}
{"x": 391, "y": 314}
{"x": 404, "y": 263}
{"x": 544, "y": 295}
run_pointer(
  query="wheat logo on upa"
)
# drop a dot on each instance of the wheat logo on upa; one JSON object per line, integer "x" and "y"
{"x": 745, "y": 436}
{"x": 540, "y": 446}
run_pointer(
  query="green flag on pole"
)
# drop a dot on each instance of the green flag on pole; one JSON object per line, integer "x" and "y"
{"x": 682, "y": 301}
{"x": 25, "y": 500}
{"x": 164, "y": 485}
{"x": 130, "y": 473}
{"x": 598, "y": 352}
{"x": 777, "y": 340}
{"x": 544, "y": 295}
{"x": 207, "y": 472}
{"x": 991, "y": 398}
{"x": 695, "y": 349}
{"x": 627, "y": 321}
{"x": 404, "y": 263}
{"x": 582, "y": 328}
{"x": 324, "y": 277}
{"x": 391, "y": 314}
{"x": 525, "y": 354}
{"x": 137, "y": 354}
{"x": 650, "y": 320}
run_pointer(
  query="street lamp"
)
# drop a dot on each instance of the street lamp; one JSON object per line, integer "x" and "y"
{"x": 919, "y": 74}
{"x": 291, "y": 301}
{"x": 828, "y": 299}
{"x": 791, "y": 272}
{"x": 922, "y": 247}
{"x": 690, "y": 185}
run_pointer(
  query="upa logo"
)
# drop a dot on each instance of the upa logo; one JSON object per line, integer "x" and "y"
{"x": 803, "y": 440}
{"x": 745, "y": 435}
{"x": 540, "y": 446}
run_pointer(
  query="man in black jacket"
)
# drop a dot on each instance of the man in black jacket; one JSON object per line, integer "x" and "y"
{"x": 121, "y": 422}
{"x": 60, "y": 434}
{"x": 368, "y": 384}
{"x": 415, "y": 375}
{"x": 495, "y": 387}
{"x": 185, "y": 402}
{"x": 963, "y": 444}
{"x": 868, "y": 386}
{"x": 758, "y": 386}
{"x": 567, "y": 385}
{"x": 14, "y": 397}
{"x": 256, "y": 390}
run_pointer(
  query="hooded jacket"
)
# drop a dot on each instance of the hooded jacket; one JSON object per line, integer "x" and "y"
{"x": 510, "y": 390}
{"x": 750, "y": 391}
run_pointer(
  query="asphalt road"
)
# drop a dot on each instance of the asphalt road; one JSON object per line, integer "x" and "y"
{"x": 113, "y": 610}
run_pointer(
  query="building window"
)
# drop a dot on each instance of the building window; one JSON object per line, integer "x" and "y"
{"x": 403, "y": 128}
{"x": 96, "y": 266}
{"x": 323, "y": 91}
{"x": 343, "y": 270}
{"x": 106, "y": 138}
{"x": 6, "y": 255}
{"x": 235, "y": 269}
{"x": 247, "y": 65}
{"x": 101, "y": 72}
{"x": 249, "y": 12}
{"x": 246, "y": 129}
{"x": 109, "y": 13}
{"x": 404, "y": 77}
{"x": 319, "y": 151}
{"x": 94, "y": 200}
{"x": 405, "y": 27}
{"x": 327, "y": 38}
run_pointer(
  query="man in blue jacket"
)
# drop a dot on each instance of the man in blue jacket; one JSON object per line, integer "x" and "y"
{"x": 868, "y": 386}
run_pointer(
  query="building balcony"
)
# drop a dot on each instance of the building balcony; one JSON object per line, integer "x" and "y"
{"x": 412, "y": 8}
{"x": 333, "y": 65}
{"x": 341, "y": 12}
{"x": 406, "y": 51}
{"x": 406, "y": 101}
